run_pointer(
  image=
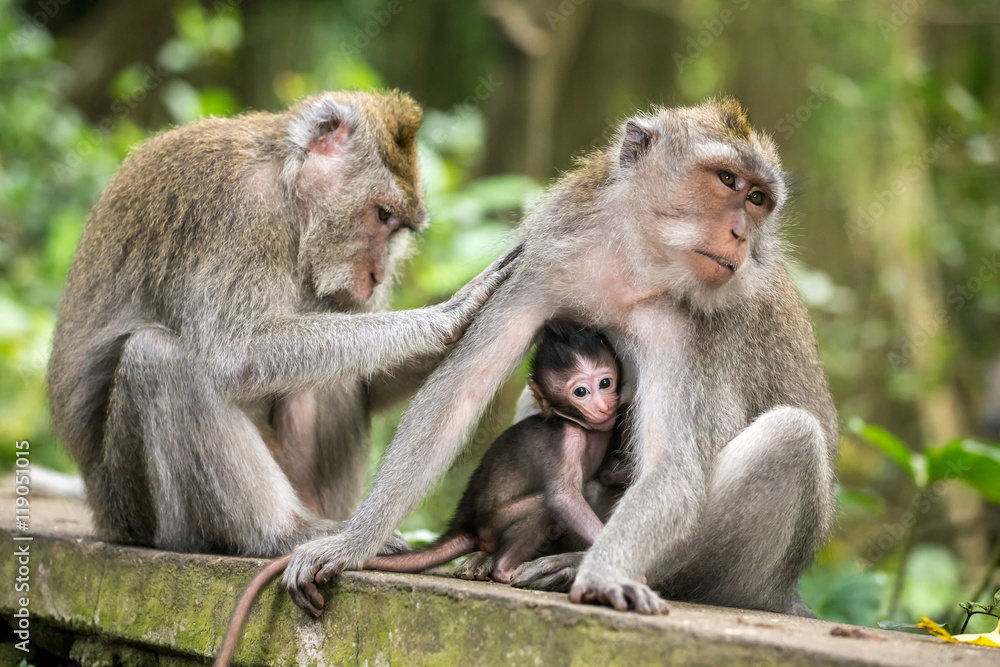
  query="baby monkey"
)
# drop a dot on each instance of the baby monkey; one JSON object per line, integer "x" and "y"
{"x": 528, "y": 488}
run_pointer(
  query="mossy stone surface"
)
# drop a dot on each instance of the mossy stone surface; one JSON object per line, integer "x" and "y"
{"x": 132, "y": 606}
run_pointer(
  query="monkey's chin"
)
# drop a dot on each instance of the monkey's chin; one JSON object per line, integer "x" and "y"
{"x": 605, "y": 425}
{"x": 712, "y": 269}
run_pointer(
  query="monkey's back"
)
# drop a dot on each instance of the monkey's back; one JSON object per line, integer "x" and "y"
{"x": 514, "y": 466}
{"x": 165, "y": 246}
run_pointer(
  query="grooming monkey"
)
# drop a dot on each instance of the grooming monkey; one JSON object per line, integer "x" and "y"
{"x": 668, "y": 240}
{"x": 528, "y": 487}
{"x": 222, "y": 338}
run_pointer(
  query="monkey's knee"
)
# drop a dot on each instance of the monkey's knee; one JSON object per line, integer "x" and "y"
{"x": 782, "y": 441}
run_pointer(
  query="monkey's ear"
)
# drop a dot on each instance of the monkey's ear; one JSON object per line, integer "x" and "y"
{"x": 330, "y": 139}
{"x": 543, "y": 405}
{"x": 320, "y": 126}
{"x": 638, "y": 139}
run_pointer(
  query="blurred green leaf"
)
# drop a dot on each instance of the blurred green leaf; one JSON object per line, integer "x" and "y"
{"x": 974, "y": 463}
{"x": 843, "y": 593}
{"x": 933, "y": 581}
{"x": 901, "y": 627}
{"x": 891, "y": 446}
{"x": 866, "y": 502}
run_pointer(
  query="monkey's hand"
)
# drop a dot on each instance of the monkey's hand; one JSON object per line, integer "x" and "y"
{"x": 461, "y": 309}
{"x": 615, "y": 589}
{"x": 548, "y": 573}
{"x": 319, "y": 561}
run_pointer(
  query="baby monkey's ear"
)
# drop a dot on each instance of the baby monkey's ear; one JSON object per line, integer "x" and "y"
{"x": 543, "y": 404}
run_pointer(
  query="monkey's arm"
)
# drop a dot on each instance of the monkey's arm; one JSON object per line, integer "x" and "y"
{"x": 660, "y": 508}
{"x": 564, "y": 486}
{"x": 293, "y": 351}
{"x": 428, "y": 438}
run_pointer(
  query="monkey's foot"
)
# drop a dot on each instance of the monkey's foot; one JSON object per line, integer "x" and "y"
{"x": 478, "y": 566}
{"x": 618, "y": 591}
{"x": 548, "y": 573}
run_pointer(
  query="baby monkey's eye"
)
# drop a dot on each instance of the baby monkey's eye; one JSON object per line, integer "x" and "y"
{"x": 756, "y": 197}
{"x": 605, "y": 383}
{"x": 580, "y": 392}
{"x": 727, "y": 179}
{"x": 384, "y": 214}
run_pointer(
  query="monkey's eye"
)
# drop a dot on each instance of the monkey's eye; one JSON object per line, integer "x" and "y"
{"x": 580, "y": 392}
{"x": 384, "y": 214}
{"x": 756, "y": 198}
{"x": 605, "y": 383}
{"x": 727, "y": 179}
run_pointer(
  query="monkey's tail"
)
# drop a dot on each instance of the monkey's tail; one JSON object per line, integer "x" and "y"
{"x": 437, "y": 553}
{"x": 242, "y": 610}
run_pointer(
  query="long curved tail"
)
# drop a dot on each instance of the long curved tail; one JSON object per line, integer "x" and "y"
{"x": 242, "y": 610}
{"x": 449, "y": 547}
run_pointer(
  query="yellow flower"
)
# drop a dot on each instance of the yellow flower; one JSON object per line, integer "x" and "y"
{"x": 983, "y": 639}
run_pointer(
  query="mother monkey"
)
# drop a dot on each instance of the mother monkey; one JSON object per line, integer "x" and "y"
{"x": 222, "y": 338}
{"x": 669, "y": 240}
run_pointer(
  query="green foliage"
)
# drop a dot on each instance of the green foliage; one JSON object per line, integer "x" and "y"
{"x": 972, "y": 462}
{"x": 844, "y": 593}
{"x": 928, "y": 576}
{"x": 52, "y": 167}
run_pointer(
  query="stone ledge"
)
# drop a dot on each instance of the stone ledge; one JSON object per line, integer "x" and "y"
{"x": 154, "y": 607}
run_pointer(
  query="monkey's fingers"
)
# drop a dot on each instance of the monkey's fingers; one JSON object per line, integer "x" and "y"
{"x": 307, "y": 597}
{"x": 549, "y": 573}
{"x": 300, "y": 582}
{"x": 328, "y": 573}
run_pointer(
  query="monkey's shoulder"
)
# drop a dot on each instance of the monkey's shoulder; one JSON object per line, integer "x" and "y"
{"x": 524, "y": 447}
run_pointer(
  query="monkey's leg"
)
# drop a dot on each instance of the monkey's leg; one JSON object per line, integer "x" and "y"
{"x": 296, "y": 450}
{"x": 342, "y": 427}
{"x": 212, "y": 482}
{"x": 768, "y": 508}
{"x": 521, "y": 540}
{"x": 481, "y": 565}
{"x": 340, "y": 459}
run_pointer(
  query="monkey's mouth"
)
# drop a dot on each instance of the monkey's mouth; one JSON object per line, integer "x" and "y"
{"x": 721, "y": 261}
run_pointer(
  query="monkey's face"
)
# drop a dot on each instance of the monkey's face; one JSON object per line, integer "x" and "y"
{"x": 361, "y": 203}
{"x": 725, "y": 204}
{"x": 712, "y": 193}
{"x": 588, "y": 394}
